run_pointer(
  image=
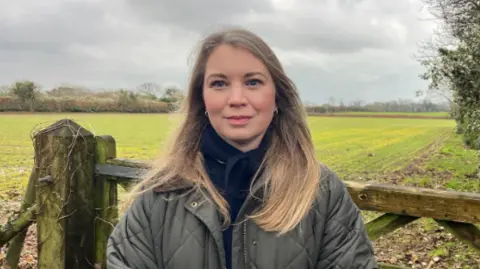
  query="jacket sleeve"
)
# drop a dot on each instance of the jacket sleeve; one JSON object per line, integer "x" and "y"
{"x": 346, "y": 244}
{"x": 130, "y": 245}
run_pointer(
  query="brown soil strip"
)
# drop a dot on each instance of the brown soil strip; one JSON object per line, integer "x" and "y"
{"x": 417, "y": 166}
{"x": 379, "y": 115}
{"x": 418, "y": 245}
{"x": 414, "y": 168}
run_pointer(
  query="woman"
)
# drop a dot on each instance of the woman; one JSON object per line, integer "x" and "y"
{"x": 240, "y": 187}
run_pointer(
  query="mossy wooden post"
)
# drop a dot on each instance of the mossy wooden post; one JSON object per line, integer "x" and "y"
{"x": 65, "y": 159}
{"x": 106, "y": 202}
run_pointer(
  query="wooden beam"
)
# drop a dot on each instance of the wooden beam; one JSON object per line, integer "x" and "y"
{"x": 18, "y": 225}
{"x": 16, "y": 244}
{"x": 130, "y": 163}
{"x": 466, "y": 232}
{"x": 106, "y": 201}
{"x": 387, "y": 198}
{"x": 386, "y": 224}
{"x": 119, "y": 173}
{"x": 390, "y": 266}
{"x": 417, "y": 202}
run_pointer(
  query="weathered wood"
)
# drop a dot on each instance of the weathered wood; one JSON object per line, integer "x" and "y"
{"x": 16, "y": 244}
{"x": 18, "y": 225}
{"x": 65, "y": 153}
{"x": 418, "y": 202}
{"x": 466, "y": 232}
{"x": 119, "y": 173}
{"x": 106, "y": 201}
{"x": 386, "y": 224}
{"x": 130, "y": 163}
{"x": 390, "y": 266}
{"x": 388, "y": 198}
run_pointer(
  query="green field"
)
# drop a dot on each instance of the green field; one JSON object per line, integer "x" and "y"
{"x": 356, "y": 148}
{"x": 416, "y": 152}
{"x": 429, "y": 114}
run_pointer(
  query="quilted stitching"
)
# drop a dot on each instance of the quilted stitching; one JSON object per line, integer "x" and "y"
{"x": 298, "y": 250}
{"x": 302, "y": 249}
{"x": 183, "y": 242}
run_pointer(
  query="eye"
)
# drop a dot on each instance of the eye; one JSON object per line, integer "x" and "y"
{"x": 218, "y": 84}
{"x": 254, "y": 82}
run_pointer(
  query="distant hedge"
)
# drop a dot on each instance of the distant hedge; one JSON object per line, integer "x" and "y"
{"x": 12, "y": 104}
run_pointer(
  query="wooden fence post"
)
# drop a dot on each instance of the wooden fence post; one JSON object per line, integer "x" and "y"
{"x": 65, "y": 159}
{"x": 106, "y": 201}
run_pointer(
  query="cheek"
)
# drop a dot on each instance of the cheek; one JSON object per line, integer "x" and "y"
{"x": 213, "y": 103}
{"x": 265, "y": 103}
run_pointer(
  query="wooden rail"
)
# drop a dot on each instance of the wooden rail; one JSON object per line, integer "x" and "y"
{"x": 387, "y": 198}
{"x": 72, "y": 195}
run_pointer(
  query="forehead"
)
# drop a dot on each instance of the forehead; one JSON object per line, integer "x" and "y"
{"x": 231, "y": 60}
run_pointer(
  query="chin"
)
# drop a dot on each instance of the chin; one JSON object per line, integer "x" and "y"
{"x": 241, "y": 136}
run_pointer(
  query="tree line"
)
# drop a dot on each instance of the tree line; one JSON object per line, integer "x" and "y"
{"x": 147, "y": 98}
{"x": 152, "y": 98}
{"x": 400, "y": 105}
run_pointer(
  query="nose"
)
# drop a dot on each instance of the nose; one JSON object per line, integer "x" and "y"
{"x": 237, "y": 95}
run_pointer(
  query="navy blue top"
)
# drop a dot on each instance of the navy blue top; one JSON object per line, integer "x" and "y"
{"x": 231, "y": 171}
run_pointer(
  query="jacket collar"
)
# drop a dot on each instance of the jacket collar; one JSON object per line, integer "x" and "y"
{"x": 214, "y": 146}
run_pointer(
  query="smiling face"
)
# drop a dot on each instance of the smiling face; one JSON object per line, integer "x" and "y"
{"x": 239, "y": 96}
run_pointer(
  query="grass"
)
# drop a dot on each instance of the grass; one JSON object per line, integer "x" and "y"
{"x": 431, "y": 114}
{"x": 357, "y": 148}
{"x": 137, "y": 136}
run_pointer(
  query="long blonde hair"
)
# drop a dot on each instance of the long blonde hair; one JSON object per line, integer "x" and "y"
{"x": 291, "y": 173}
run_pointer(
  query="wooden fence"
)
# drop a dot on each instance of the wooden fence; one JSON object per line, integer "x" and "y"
{"x": 72, "y": 197}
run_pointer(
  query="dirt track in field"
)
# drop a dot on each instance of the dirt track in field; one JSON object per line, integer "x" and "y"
{"x": 396, "y": 116}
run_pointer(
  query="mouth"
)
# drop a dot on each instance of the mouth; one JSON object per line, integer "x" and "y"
{"x": 238, "y": 120}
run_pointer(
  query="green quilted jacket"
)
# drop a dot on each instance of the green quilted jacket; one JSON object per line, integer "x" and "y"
{"x": 168, "y": 230}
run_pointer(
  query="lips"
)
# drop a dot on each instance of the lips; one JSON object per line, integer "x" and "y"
{"x": 239, "y": 117}
{"x": 238, "y": 120}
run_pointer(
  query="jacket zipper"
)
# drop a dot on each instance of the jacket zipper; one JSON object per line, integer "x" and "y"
{"x": 207, "y": 247}
{"x": 245, "y": 243}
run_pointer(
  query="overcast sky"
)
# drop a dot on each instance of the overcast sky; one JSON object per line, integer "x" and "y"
{"x": 348, "y": 49}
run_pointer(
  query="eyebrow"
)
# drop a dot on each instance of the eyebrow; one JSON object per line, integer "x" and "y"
{"x": 247, "y": 75}
{"x": 252, "y": 74}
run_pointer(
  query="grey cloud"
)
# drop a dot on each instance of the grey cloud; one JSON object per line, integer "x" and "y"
{"x": 327, "y": 26}
{"x": 196, "y": 15}
{"x": 323, "y": 36}
{"x": 54, "y": 31}
{"x": 347, "y": 28}
{"x": 123, "y": 43}
{"x": 77, "y": 42}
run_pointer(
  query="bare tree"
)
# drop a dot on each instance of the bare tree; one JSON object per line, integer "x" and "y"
{"x": 150, "y": 90}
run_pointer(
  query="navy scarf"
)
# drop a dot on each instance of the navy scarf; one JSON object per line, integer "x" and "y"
{"x": 231, "y": 171}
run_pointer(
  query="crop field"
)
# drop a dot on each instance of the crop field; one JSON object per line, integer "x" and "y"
{"x": 429, "y": 114}
{"x": 356, "y": 148}
{"x": 414, "y": 152}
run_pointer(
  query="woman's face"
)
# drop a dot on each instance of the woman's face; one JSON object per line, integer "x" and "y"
{"x": 239, "y": 96}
